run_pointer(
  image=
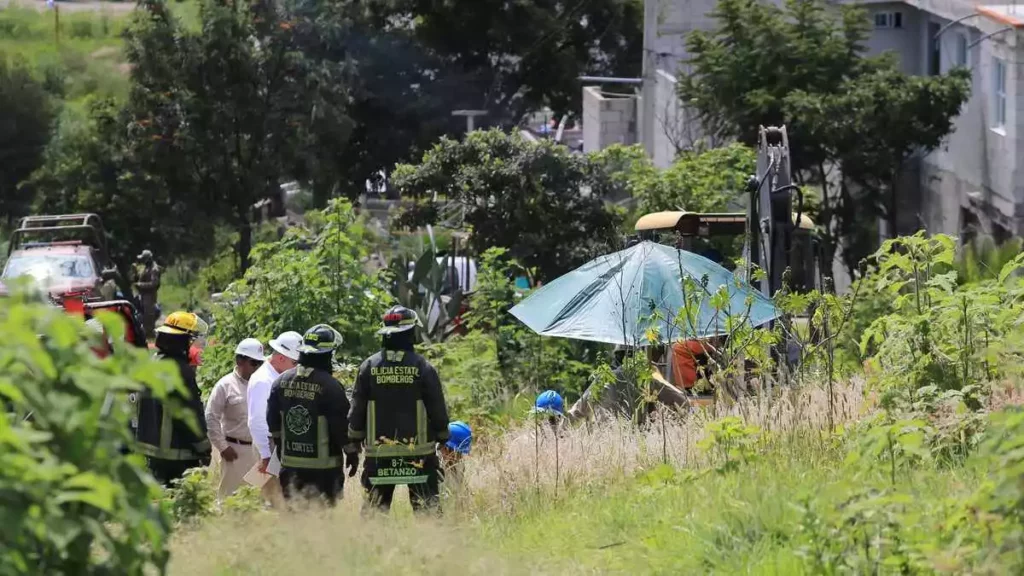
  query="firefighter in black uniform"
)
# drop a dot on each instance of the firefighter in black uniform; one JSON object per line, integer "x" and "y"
{"x": 170, "y": 445}
{"x": 399, "y": 415}
{"x": 307, "y": 414}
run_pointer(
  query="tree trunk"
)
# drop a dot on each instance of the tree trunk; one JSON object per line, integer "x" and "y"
{"x": 321, "y": 193}
{"x": 244, "y": 239}
{"x": 893, "y": 207}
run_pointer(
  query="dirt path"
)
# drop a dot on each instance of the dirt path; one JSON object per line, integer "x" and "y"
{"x": 119, "y": 7}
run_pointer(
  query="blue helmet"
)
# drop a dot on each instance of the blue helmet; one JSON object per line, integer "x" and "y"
{"x": 460, "y": 437}
{"x": 549, "y": 401}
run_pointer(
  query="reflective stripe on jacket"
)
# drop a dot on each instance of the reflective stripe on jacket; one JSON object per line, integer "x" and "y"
{"x": 162, "y": 437}
{"x": 307, "y": 416}
{"x": 398, "y": 406}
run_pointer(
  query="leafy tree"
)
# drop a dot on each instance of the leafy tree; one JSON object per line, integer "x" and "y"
{"x": 539, "y": 201}
{"x": 910, "y": 114}
{"x": 312, "y": 276}
{"x": 513, "y": 57}
{"x": 759, "y": 54}
{"x": 803, "y": 65}
{"x": 413, "y": 62}
{"x": 698, "y": 181}
{"x": 88, "y": 167}
{"x": 224, "y": 115}
{"x": 25, "y": 124}
{"x": 73, "y": 501}
{"x": 399, "y": 101}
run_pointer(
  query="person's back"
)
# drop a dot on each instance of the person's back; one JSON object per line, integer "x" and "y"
{"x": 307, "y": 416}
{"x": 170, "y": 444}
{"x": 398, "y": 410}
{"x": 393, "y": 382}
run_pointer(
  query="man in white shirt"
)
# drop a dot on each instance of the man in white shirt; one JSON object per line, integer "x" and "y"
{"x": 227, "y": 418}
{"x": 284, "y": 357}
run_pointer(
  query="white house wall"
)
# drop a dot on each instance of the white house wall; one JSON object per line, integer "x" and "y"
{"x": 978, "y": 160}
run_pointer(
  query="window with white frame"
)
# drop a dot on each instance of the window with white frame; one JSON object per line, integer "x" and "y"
{"x": 998, "y": 93}
{"x": 963, "y": 54}
{"x": 888, "y": 20}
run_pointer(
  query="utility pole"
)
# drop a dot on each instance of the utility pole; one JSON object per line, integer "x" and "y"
{"x": 52, "y": 4}
{"x": 470, "y": 115}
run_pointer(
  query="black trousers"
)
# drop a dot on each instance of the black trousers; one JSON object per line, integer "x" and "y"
{"x": 424, "y": 497}
{"x": 167, "y": 471}
{"x": 328, "y": 484}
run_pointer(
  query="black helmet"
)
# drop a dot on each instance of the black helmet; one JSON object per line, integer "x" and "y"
{"x": 320, "y": 339}
{"x": 399, "y": 319}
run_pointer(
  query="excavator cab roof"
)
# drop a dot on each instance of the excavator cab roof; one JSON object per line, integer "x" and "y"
{"x": 704, "y": 224}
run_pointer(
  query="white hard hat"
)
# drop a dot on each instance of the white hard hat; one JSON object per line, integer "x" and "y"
{"x": 287, "y": 344}
{"x": 250, "y": 348}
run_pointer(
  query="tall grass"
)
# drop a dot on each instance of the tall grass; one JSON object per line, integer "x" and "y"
{"x": 523, "y": 461}
{"x": 78, "y": 54}
{"x": 76, "y": 58}
{"x": 585, "y": 506}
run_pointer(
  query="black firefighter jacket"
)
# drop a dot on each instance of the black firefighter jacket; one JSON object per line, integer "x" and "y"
{"x": 307, "y": 414}
{"x": 165, "y": 438}
{"x": 398, "y": 406}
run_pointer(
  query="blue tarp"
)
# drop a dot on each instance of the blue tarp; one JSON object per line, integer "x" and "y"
{"x": 618, "y": 298}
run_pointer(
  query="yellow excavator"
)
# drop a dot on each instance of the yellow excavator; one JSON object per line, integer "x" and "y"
{"x": 777, "y": 235}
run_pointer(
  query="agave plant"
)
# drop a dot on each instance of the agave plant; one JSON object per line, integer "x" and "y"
{"x": 429, "y": 285}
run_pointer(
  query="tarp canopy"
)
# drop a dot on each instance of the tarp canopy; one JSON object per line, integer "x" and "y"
{"x": 618, "y": 298}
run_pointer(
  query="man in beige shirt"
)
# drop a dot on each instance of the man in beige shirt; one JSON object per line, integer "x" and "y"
{"x": 227, "y": 418}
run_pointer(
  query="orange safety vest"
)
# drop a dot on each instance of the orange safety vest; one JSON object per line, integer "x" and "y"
{"x": 684, "y": 362}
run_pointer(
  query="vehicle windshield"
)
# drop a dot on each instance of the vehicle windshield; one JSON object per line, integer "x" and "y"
{"x": 50, "y": 267}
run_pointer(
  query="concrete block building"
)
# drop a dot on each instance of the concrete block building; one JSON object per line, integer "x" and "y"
{"x": 609, "y": 117}
{"x": 971, "y": 185}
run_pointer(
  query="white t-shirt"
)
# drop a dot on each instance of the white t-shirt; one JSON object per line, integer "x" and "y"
{"x": 259, "y": 392}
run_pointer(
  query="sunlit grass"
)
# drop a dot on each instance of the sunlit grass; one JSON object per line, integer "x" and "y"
{"x": 81, "y": 50}
{"x": 601, "y": 501}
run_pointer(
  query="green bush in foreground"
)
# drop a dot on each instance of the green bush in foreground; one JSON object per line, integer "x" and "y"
{"x": 72, "y": 501}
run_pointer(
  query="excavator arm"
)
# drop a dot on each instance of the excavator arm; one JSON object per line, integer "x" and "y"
{"x": 779, "y": 233}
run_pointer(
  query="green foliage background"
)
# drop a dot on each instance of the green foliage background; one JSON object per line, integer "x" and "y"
{"x": 314, "y": 275}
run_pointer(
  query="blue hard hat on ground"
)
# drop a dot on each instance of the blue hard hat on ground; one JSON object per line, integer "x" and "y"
{"x": 460, "y": 437}
{"x": 549, "y": 401}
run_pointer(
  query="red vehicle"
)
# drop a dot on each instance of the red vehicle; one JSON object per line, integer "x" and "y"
{"x": 77, "y": 303}
{"x": 58, "y": 254}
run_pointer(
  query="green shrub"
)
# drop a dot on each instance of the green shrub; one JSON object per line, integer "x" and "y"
{"x": 82, "y": 29}
{"x": 73, "y": 502}
{"x": 192, "y": 497}
{"x": 938, "y": 332}
{"x": 731, "y": 442}
{"x": 982, "y": 259}
{"x": 314, "y": 275}
{"x": 496, "y": 370}
{"x": 55, "y": 78}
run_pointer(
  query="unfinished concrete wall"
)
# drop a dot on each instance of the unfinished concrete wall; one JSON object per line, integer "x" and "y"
{"x": 608, "y": 119}
{"x": 671, "y": 132}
